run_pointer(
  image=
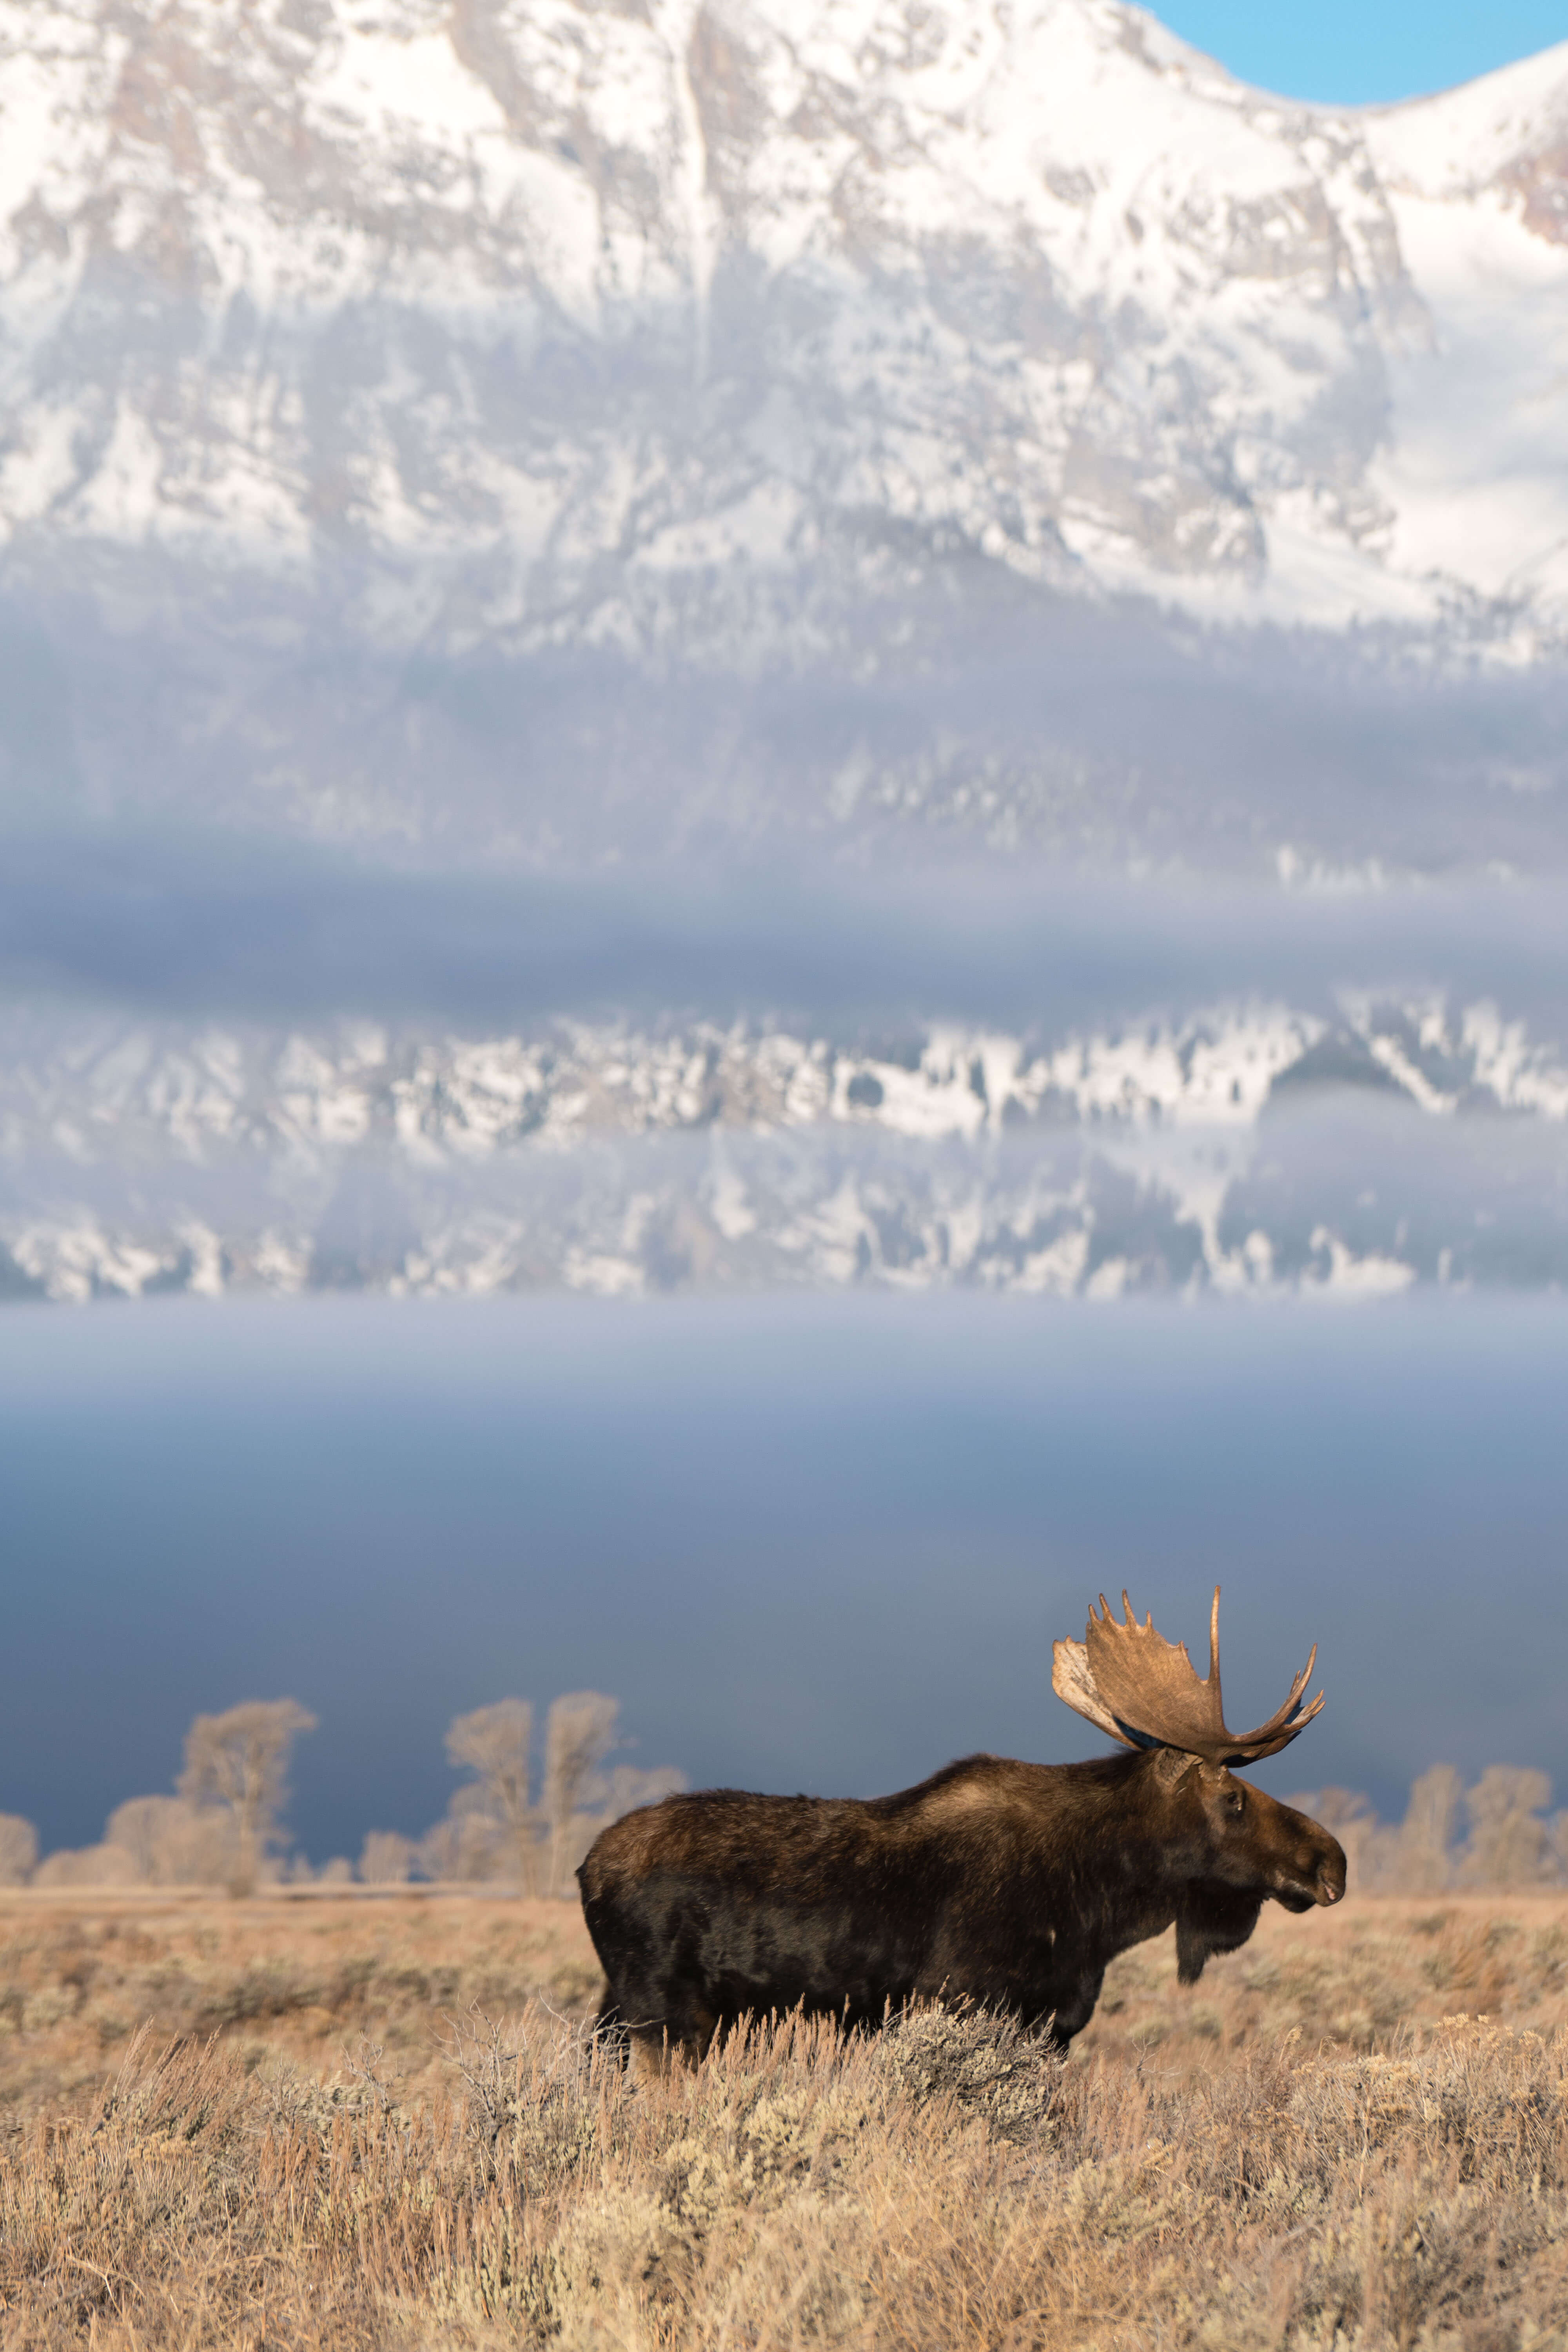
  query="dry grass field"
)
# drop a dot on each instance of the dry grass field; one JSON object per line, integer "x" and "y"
{"x": 375, "y": 2121}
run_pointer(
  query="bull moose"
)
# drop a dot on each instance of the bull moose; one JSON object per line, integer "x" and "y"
{"x": 1002, "y": 1884}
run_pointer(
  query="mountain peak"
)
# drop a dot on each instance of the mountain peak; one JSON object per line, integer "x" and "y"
{"x": 1507, "y": 131}
{"x": 538, "y": 322}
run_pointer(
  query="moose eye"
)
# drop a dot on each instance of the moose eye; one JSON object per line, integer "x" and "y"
{"x": 1235, "y": 1802}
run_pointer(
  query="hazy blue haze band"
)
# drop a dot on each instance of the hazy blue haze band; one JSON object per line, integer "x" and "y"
{"x": 809, "y": 1543}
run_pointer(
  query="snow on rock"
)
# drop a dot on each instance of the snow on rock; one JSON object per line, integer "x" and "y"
{"x": 540, "y": 321}
{"x": 1250, "y": 1150}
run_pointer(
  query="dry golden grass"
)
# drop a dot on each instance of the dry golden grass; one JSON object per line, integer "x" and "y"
{"x": 378, "y": 2122}
{"x": 296, "y": 1978}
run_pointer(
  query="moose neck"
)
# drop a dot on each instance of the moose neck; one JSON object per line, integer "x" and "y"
{"x": 1139, "y": 1854}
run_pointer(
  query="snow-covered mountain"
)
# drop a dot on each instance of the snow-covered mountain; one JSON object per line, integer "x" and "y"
{"x": 584, "y": 431}
{"x": 705, "y": 328}
{"x": 1251, "y": 1149}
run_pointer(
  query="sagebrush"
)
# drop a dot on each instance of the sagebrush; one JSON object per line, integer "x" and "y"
{"x": 384, "y": 2123}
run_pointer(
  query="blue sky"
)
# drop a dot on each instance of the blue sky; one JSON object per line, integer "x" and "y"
{"x": 1346, "y": 53}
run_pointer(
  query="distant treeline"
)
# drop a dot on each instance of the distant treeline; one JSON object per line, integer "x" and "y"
{"x": 508, "y": 1824}
{"x": 515, "y": 1824}
{"x": 1497, "y": 1834}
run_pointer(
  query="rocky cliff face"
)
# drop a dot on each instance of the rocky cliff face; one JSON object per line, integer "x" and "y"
{"x": 716, "y": 328}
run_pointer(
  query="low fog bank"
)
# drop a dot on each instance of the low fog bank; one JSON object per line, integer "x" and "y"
{"x": 1099, "y": 733}
{"x": 195, "y": 922}
{"x": 325, "y": 968}
{"x": 818, "y": 1544}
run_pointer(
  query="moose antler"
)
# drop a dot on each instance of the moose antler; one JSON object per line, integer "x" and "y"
{"x": 1146, "y": 1691}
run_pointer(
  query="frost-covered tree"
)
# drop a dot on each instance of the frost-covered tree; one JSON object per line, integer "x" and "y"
{"x": 495, "y": 1743}
{"x": 579, "y": 1732}
{"x": 18, "y": 1850}
{"x": 173, "y": 1843}
{"x": 236, "y": 1763}
{"x": 386, "y": 1859}
{"x": 496, "y": 1827}
{"x": 1426, "y": 1859}
{"x": 1508, "y": 1844}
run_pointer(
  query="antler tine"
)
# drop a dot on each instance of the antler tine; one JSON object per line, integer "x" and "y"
{"x": 1146, "y": 1692}
{"x": 1291, "y": 1711}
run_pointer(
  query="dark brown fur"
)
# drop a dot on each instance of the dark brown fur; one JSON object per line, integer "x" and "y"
{"x": 1005, "y": 1883}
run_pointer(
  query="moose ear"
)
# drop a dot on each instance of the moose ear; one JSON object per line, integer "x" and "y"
{"x": 1212, "y": 1918}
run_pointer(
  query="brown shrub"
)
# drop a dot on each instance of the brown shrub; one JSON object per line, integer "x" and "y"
{"x": 366, "y": 2153}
